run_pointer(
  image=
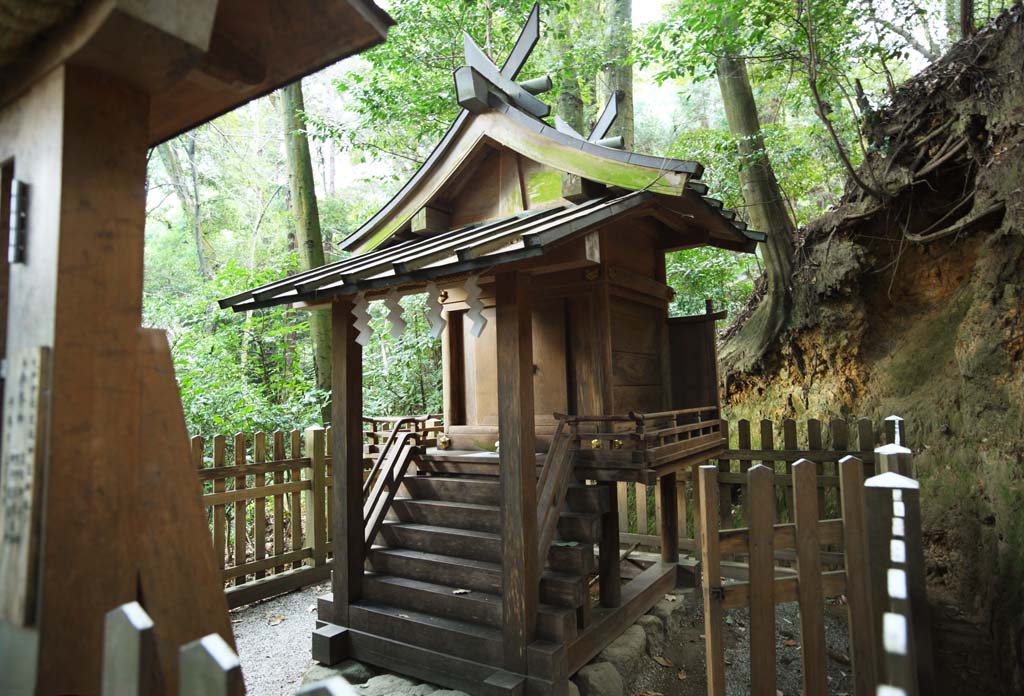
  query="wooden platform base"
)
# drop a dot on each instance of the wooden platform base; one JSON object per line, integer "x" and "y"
{"x": 549, "y": 664}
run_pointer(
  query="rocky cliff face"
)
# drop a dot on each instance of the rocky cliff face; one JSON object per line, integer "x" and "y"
{"x": 915, "y": 305}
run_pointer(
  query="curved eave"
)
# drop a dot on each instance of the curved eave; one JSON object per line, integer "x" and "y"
{"x": 506, "y": 126}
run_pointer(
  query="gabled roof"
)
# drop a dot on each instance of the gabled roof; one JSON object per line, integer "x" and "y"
{"x": 468, "y": 250}
{"x": 501, "y": 115}
{"x": 497, "y": 110}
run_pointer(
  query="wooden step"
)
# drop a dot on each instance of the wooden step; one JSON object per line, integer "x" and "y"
{"x": 448, "y": 541}
{"x": 441, "y": 513}
{"x": 480, "y": 546}
{"x": 553, "y": 623}
{"x": 580, "y": 498}
{"x": 583, "y": 527}
{"x": 485, "y": 490}
{"x": 556, "y": 589}
{"x": 464, "y": 489}
{"x": 468, "y": 640}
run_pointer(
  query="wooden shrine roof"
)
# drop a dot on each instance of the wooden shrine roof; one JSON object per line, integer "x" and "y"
{"x": 196, "y": 59}
{"x": 480, "y": 248}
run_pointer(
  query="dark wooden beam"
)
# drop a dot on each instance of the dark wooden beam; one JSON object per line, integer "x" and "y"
{"x": 669, "y": 518}
{"x": 610, "y": 577}
{"x": 517, "y": 456}
{"x": 347, "y": 431}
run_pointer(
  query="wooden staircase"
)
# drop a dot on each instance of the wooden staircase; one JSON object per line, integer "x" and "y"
{"x": 434, "y": 569}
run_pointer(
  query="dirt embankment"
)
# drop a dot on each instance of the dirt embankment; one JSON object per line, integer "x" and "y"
{"x": 915, "y": 305}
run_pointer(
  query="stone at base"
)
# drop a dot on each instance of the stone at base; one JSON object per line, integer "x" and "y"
{"x": 626, "y": 653}
{"x": 655, "y": 630}
{"x": 599, "y": 679}
{"x": 353, "y": 672}
{"x": 671, "y": 613}
{"x": 573, "y": 689}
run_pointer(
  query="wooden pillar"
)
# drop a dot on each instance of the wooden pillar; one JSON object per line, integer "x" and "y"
{"x": 610, "y": 577}
{"x": 110, "y": 443}
{"x": 669, "y": 519}
{"x": 347, "y": 450}
{"x": 517, "y": 458}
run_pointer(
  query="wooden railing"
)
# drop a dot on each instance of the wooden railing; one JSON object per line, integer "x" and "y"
{"x": 268, "y": 502}
{"x": 640, "y": 445}
{"x": 384, "y": 480}
{"x": 881, "y": 576}
{"x": 552, "y": 486}
{"x": 777, "y": 445}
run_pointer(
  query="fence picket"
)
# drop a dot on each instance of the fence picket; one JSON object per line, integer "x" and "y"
{"x": 622, "y": 492}
{"x": 219, "y": 512}
{"x": 296, "y": 496}
{"x": 814, "y": 442}
{"x": 641, "y": 509}
{"x": 259, "y": 515}
{"x": 789, "y": 443}
{"x": 858, "y": 593}
{"x": 316, "y": 526}
{"x": 279, "y": 455}
{"x": 761, "y": 523}
{"x": 240, "y": 505}
{"x": 865, "y": 435}
{"x": 724, "y": 489}
{"x": 743, "y": 441}
{"x": 809, "y": 590}
{"x": 712, "y": 587}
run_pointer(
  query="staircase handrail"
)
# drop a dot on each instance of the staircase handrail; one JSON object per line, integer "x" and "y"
{"x": 552, "y": 487}
{"x": 395, "y": 430}
{"x": 393, "y": 463}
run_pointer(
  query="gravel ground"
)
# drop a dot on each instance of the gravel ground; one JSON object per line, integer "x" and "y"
{"x": 787, "y": 651}
{"x": 273, "y": 640}
{"x": 684, "y": 675}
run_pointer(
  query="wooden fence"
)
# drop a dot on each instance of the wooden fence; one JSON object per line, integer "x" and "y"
{"x": 881, "y": 575}
{"x": 776, "y": 445}
{"x": 268, "y": 503}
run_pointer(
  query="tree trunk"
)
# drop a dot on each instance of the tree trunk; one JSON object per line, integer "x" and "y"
{"x": 966, "y": 18}
{"x": 187, "y": 195}
{"x": 617, "y": 73}
{"x": 306, "y": 217}
{"x": 766, "y": 209}
{"x": 570, "y": 102}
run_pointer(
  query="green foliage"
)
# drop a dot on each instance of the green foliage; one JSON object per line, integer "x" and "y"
{"x": 725, "y": 277}
{"x": 379, "y": 115}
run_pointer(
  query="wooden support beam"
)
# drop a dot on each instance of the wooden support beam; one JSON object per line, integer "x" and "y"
{"x": 347, "y": 433}
{"x": 517, "y": 456}
{"x": 669, "y": 519}
{"x": 610, "y": 577}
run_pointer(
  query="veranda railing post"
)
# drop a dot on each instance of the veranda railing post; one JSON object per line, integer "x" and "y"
{"x": 316, "y": 511}
{"x": 712, "y": 580}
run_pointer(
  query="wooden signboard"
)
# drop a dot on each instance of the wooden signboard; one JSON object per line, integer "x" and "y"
{"x": 21, "y": 481}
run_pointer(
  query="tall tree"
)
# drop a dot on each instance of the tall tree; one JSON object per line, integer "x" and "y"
{"x": 306, "y": 217}
{"x": 187, "y": 191}
{"x": 762, "y": 196}
{"x": 616, "y": 74}
{"x": 570, "y": 100}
